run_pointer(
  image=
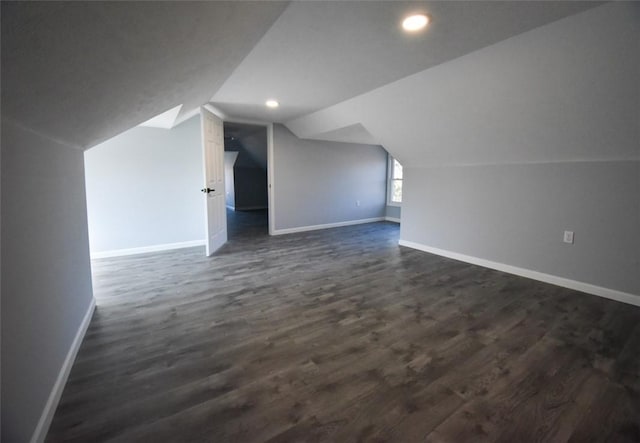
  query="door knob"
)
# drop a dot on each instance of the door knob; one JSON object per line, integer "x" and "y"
{"x": 207, "y": 190}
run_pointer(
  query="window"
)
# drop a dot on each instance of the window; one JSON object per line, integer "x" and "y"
{"x": 394, "y": 187}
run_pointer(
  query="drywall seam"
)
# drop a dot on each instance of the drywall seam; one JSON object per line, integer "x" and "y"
{"x": 9, "y": 120}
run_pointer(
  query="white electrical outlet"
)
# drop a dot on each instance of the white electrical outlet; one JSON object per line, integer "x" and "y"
{"x": 568, "y": 237}
{"x": 357, "y": 202}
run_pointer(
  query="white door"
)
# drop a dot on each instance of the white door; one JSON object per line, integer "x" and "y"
{"x": 213, "y": 151}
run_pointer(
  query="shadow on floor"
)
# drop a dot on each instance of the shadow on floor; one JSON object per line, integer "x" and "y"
{"x": 241, "y": 224}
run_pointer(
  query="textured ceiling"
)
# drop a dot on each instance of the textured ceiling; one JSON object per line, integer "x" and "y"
{"x": 320, "y": 53}
{"x": 83, "y": 72}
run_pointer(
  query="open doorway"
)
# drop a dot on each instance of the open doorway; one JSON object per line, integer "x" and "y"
{"x": 246, "y": 179}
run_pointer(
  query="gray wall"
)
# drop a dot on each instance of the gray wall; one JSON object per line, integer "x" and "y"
{"x": 143, "y": 188}
{"x": 319, "y": 182}
{"x": 250, "y": 188}
{"x": 393, "y": 211}
{"x": 516, "y": 214}
{"x": 46, "y": 275}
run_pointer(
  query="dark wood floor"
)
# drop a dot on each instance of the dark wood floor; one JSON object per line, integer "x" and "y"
{"x": 343, "y": 336}
{"x": 247, "y": 224}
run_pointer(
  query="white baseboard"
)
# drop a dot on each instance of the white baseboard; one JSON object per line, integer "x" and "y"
{"x": 326, "y": 226}
{"x": 54, "y": 397}
{"x": 145, "y": 249}
{"x": 392, "y": 219}
{"x": 612, "y": 294}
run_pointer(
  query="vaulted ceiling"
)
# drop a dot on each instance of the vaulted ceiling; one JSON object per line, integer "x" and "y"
{"x": 320, "y": 53}
{"x": 82, "y": 72}
{"x": 567, "y": 91}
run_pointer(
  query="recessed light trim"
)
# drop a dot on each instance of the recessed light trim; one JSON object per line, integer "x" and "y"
{"x": 272, "y": 104}
{"x": 415, "y": 22}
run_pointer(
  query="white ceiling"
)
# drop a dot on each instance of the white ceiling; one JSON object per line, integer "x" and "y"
{"x": 82, "y": 72}
{"x": 521, "y": 100}
{"x": 321, "y": 53}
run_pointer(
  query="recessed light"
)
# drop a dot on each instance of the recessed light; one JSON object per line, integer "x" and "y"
{"x": 415, "y": 22}
{"x": 272, "y": 104}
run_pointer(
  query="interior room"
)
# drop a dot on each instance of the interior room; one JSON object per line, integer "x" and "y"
{"x": 441, "y": 203}
{"x": 245, "y": 175}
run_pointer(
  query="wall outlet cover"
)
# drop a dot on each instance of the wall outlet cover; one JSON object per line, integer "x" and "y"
{"x": 568, "y": 237}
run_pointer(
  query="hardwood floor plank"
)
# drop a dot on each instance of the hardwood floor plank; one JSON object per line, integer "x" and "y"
{"x": 613, "y": 416}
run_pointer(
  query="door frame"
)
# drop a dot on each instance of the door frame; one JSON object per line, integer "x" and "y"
{"x": 270, "y": 160}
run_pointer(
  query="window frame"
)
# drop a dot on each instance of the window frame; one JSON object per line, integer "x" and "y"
{"x": 390, "y": 179}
